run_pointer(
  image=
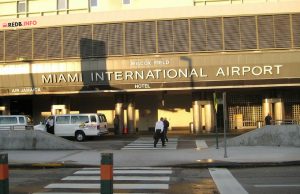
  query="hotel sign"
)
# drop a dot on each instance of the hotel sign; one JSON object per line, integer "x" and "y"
{"x": 153, "y": 75}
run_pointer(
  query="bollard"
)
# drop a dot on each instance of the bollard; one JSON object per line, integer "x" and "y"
{"x": 4, "y": 185}
{"x": 106, "y": 173}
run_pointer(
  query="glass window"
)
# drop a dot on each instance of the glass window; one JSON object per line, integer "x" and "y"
{"x": 63, "y": 120}
{"x": 79, "y": 119}
{"x": 21, "y": 6}
{"x": 61, "y": 4}
{"x": 102, "y": 118}
{"x": 94, "y": 3}
{"x": 126, "y": 2}
{"x": 8, "y": 120}
{"x": 21, "y": 120}
{"x": 93, "y": 119}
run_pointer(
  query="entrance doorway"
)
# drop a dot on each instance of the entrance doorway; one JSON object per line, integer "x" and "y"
{"x": 20, "y": 106}
{"x": 58, "y": 109}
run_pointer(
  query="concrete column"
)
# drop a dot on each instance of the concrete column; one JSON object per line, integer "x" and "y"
{"x": 119, "y": 111}
{"x": 279, "y": 111}
{"x": 131, "y": 117}
{"x": 267, "y": 108}
{"x": 209, "y": 117}
{"x": 197, "y": 116}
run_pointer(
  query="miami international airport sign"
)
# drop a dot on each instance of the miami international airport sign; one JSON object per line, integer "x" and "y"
{"x": 158, "y": 73}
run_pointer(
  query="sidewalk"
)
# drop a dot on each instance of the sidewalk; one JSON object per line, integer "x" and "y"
{"x": 237, "y": 157}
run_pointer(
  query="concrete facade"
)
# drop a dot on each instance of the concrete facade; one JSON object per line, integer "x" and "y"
{"x": 280, "y": 135}
{"x": 149, "y": 60}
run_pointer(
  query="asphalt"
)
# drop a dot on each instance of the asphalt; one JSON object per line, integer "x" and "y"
{"x": 239, "y": 156}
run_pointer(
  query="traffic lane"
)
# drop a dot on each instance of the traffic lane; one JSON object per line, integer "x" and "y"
{"x": 24, "y": 181}
{"x": 273, "y": 180}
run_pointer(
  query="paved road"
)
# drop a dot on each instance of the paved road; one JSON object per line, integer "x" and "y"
{"x": 111, "y": 142}
{"x": 134, "y": 180}
{"x": 269, "y": 180}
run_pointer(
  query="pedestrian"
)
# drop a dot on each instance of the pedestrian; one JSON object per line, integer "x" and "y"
{"x": 159, "y": 132}
{"x": 166, "y": 126}
{"x": 50, "y": 125}
{"x": 116, "y": 124}
{"x": 268, "y": 119}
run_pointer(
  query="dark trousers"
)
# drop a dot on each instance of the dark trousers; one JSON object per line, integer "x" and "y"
{"x": 165, "y": 134}
{"x": 50, "y": 129}
{"x": 158, "y": 135}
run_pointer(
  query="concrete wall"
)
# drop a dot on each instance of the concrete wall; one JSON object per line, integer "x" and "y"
{"x": 272, "y": 135}
{"x": 35, "y": 140}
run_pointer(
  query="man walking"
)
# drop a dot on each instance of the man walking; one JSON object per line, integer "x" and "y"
{"x": 159, "y": 132}
{"x": 166, "y": 126}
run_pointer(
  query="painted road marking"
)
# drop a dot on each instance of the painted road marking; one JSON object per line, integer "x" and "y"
{"x": 225, "y": 181}
{"x": 97, "y": 186}
{"x": 89, "y": 172}
{"x": 134, "y": 168}
{"x": 148, "y": 144}
{"x": 89, "y": 193}
{"x": 290, "y": 185}
{"x": 201, "y": 144}
{"x": 139, "y": 179}
{"x": 119, "y": 178}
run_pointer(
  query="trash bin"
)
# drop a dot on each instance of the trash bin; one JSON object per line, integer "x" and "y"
{"x": 191, "y": 127}
{"x": 259, "y": 124}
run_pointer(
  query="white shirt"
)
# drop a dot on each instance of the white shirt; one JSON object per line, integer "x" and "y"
{"x": 159, "y": 125}
{"x": 50, "y": 122}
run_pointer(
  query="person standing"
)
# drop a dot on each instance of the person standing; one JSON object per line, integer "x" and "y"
{"x": 50, "y": 125}
{"x": 159, "y": 132}
{"x": 166, "y": 126}
{"x": 268, "y": 119}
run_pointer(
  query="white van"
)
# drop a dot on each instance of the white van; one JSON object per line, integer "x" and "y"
{"x": 15, "y": 122}
{"x": 77, "y": 125}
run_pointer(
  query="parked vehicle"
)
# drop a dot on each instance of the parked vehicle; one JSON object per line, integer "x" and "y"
{"x": 77, "y": 125}
{"x": 15, "y": 122}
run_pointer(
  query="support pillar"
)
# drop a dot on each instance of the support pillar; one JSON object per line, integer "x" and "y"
{"x": 197, "y": 127}
{"x": 120, "y": 112}
{"x": 131, "y": 116}
{"x": 267, "y": 108}
{"x": 209, "y": 117}
{"x": 279, "y": 111}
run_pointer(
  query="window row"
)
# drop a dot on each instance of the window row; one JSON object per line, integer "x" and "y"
{"x": 152, "y": 37}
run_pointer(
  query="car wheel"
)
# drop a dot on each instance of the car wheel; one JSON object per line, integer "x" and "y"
{"x": 80, "y": 136}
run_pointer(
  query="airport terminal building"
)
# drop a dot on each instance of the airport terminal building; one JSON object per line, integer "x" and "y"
{"x": 144, "y": 60}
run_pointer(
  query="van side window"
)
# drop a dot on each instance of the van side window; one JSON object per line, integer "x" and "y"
{"x": 62, "y": 119}
{"x": 93, "y": 119}
{"x": 79, "y": 119}
{"x": 8, "y": 120}
{"x": 21, "y": 120}
{"x": 103, "y": 118}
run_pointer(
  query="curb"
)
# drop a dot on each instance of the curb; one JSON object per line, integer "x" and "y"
{"x": 204, "y": 164}
{"x": 222, "y": 164}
